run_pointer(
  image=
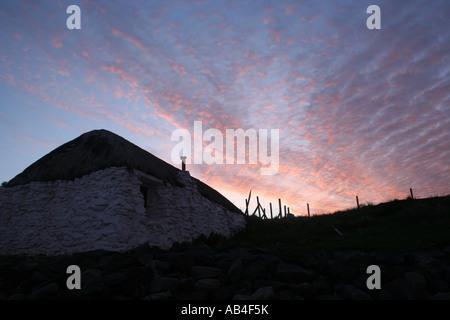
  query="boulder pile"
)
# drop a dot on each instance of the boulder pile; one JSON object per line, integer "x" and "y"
{"x": 228, "y": 270}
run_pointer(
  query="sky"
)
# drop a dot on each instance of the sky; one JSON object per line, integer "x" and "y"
{"x": 359, "y": 111}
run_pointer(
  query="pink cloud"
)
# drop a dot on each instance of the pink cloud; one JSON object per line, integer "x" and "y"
{"x": 250, "y": 55}
{"x": 270, "y": 106}
{"x": 275, "y": 35}
{"x": 56, "y": 42}
{"x": 114, "y": 69}
{"x": 9, "y": 78}
{"x": 244, "y": 70}
{"x": 64, "y": 73}
{"x": 178, "y": 68}
{"x": 118, "y": 92}
{"x": 135, "y": 41}
{"x": 289, "y": 9}
{"x": 311, "y": 20}
{"x": 130, "y": 125}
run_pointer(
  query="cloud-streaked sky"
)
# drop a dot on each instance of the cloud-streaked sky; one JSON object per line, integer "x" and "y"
{"x": 360, "y": 112}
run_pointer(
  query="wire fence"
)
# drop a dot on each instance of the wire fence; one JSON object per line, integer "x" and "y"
{"x": 280, "y": 210}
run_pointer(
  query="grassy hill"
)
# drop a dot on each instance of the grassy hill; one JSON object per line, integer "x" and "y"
{"x": 392, "y": 226}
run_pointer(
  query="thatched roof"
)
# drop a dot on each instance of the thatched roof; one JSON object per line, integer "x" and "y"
{"x": 101, "y": 149}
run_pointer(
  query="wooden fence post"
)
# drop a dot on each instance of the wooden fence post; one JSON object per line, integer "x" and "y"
{"x": 307, "y": 205}
{"x": 271, "y": 216}
{"x": 259, "y": 206}
{"x": 264, "y": 213}
{"x": 357, "y": 202}
{"x": 247, "y": 203}
{"x": 279, "y": 212}
{"x": 411, "y": 192}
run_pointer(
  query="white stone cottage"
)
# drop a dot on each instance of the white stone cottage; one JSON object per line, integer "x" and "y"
{"x": 100, "y": 191}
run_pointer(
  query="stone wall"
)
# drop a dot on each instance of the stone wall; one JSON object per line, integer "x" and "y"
{"x": 105, "y": 210}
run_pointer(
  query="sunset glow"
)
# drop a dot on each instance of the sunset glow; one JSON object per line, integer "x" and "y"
{"x": 359, "y": 112}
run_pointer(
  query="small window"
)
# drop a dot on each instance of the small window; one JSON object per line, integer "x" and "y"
{"x": 144, "y": 191}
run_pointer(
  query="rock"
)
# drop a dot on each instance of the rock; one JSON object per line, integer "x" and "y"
{"x": 255, "y": 270}
{"x": 201, "y": 272}
{"x": 110, "y": 261}
{"x": 300, "y": 288}
{"x": 238, "y": 254}
{"x": 47, "y": 291}
{"x": 349, "y": 292}
{"x": 225, "y": 292}
{"x": 384, "y": 258}
{"x": 143, "y": 258}
{"x": 442, "y": 296}
{"x": 249, "y": 273}
{"x": 195, "y": 295}
{"x": 170, "y": 284}
{"x": 158, "y": 296}
{"x": 328, "y": 297}
{"x": 264, "y": 293}
{"x": 95, "y": 289}
{"x": 93, "y": 285}
{"x": 360, "y": 281}
{"x": 381, "y": 294}
{"x": 114, "y": 279}
{"x": 180, "y": 261}
{"x": 29, "y": 265}
{"x": 235, "y": 271}
{"x": 416, "y": 280}
{"x": 270, "y": 262}
{"x": 344, "y": 255}
{"x": 357, "y": 294}
{"x": 286, "y": 294}
{"x": 90, "y": 274}
{"x": 207, "y": 284}
{"x": 138, "y": 281}
{"x": 156, "y": 284}
{"x": 121, "y": 297}
{"x": 447, "y": 276}
{"x": 18, "y": 296}
{"x": 276, "y": 285}
{"x": 185, "y": 262}
{"x": 342, "y": 272}
{"x": 434, "y": 281}
{"x": 187, "y": 284}
{"x": 202, "y": 253}
{"x": 424, "y": 258}
{"x": 399, "y": 289}
{"x": 292, "y": 273}
{"x": 391, "y": 272}
{"x": 161, "y": 265}
{"x": 241, "y": 297}
{"x": 146, "y": 273}
{"x": 313, "y": 261}
{"x": 319, "y": 287}
{"x": 446, "y": 251}
{"x": 37, "y": 279}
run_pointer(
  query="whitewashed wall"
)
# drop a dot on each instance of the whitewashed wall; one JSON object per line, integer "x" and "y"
{"x": 105, "y": 210}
